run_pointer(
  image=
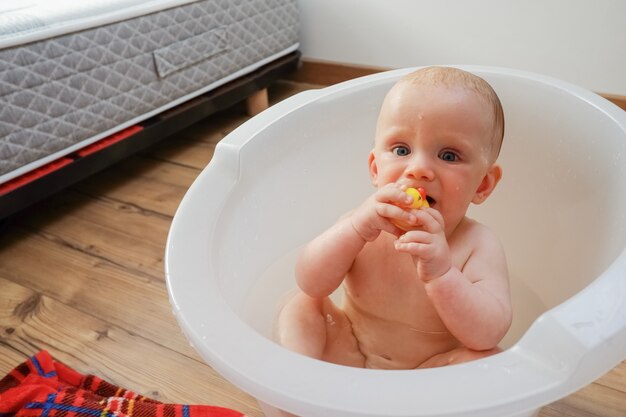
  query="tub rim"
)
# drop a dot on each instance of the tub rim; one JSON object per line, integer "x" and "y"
{"x": 542, "y": 380}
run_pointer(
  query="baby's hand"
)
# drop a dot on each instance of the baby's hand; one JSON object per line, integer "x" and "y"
{"x": 427, "y": 244}
{"x": 381, "y": 210}
{"x": 419, "y": 201}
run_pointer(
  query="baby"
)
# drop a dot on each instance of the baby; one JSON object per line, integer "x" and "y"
{"x": 422, "y": 288}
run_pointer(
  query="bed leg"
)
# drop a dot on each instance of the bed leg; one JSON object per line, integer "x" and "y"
{"x": 257, "y": 102}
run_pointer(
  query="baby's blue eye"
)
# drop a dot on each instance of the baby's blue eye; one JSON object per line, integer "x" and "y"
{"x": 401, "y": 151}
{"x": 448, "y": 156}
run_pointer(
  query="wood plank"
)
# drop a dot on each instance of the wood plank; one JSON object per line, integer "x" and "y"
{"x": 315, "y": 71}
{"x": 93, "y": 346}
{"x": 617, "y": 99}
{"x": 214, "y": 128}
{"x": 189, "y": 153}
{"x": 48, "y": 264}
{"x": 592, "y": 400}
{"x": 615, "y": 379}
{"x": 11, "y": 297}
{"x": 562, "y": 409}
{"x": 285, "y": 89}
{"x": 193, "y": 147}
{"x": 117, "y": 231}
{"x": 146, "y": 183}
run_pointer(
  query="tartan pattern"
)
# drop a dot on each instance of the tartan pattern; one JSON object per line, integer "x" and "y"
{"x": 43, "y": 387}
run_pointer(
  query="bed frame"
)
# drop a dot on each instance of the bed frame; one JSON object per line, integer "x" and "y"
{"x": 25, "y": 190}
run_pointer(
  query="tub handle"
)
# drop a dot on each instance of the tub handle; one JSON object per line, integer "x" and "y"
{"x": 584, "y": 337}
{"x": 597, "y": 315}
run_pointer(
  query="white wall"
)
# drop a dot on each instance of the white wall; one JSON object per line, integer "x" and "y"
{"x": 580, "y": 41}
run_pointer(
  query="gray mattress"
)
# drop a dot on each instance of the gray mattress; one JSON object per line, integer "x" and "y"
{"x": 62, "y": 93}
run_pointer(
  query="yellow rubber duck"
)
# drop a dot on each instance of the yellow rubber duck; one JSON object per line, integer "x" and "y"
{"x": 419, "y": 202}
{"x": 419, "y": 197}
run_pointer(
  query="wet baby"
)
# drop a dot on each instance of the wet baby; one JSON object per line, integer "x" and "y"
{"x": 422, "y": 287}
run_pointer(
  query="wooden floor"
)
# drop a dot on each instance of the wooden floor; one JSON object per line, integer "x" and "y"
{"x": 82, "y": 277}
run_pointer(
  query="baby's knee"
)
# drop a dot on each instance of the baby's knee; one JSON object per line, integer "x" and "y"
{"x": 300, "y": 317}
{"x": 301, "y": 305}
{"x": 301, "y": 326}
{"x": 462, "y": 355}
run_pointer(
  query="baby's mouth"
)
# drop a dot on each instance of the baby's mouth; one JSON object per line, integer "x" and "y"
{"x": 431, "y": 201}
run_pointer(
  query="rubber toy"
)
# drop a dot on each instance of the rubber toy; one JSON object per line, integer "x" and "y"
{"x": 419, "y": 202}
{"x": 419, "y": 197}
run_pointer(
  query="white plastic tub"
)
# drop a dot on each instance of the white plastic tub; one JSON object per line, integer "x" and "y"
{"x": 288, "y": 173}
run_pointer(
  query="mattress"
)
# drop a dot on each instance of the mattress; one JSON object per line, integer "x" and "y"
{"x": 72, "y": 73}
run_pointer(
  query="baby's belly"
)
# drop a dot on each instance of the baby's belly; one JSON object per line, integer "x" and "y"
{"x": 394, "y": 345}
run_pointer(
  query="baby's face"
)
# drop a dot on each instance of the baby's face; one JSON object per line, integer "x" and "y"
{"x": 436, "y": 137}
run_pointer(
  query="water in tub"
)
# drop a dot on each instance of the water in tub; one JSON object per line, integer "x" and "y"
{"x": 277, "y": 283}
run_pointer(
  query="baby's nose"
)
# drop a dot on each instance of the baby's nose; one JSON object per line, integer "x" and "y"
{"x": 421, "y": 168}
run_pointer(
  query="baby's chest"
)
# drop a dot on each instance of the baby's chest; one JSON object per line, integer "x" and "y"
{"x": 380, "y": 273}
{"x": 389, "y": 294}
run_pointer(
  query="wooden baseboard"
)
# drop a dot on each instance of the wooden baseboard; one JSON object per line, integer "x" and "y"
{"x": 328, "y": 73}
{"x": 616, "y": 99}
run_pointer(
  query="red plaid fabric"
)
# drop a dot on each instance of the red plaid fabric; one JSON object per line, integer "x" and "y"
{"x": 43, "y": 387}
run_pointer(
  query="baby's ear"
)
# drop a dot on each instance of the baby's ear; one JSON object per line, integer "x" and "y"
{"x": 373, "y": 168}
{"x": 488, "y": 184}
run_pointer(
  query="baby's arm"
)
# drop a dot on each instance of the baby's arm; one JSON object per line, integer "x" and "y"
{"x": 325, "y": 261}
{"x": 473, "y": 302}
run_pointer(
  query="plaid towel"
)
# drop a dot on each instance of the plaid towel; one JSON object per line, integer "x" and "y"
{"x": 43, "y": 387}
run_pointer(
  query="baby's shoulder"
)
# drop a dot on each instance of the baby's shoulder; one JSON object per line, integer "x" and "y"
{"x": 473, "y": 233}
{"x": 469, "y": 225}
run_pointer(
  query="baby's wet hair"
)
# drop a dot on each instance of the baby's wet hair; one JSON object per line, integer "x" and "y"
{"x": 455, "y": 77}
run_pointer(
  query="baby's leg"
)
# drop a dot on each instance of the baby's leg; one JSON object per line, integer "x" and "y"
{"x": 302, "y": 327}
{"x": 318, "y": 329}
{"x": 458, "y": 355}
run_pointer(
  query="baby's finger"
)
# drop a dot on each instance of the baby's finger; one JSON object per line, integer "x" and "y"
{"x": 416, "y": 243}
{"x": 436, "y": 215}
{"x": 412, "y": 248}
{"x": 429, "y": 220}
{"x": 390, "y": 227}
{"x": 416, "y": 236}
{"x": 394, "y": 212}
{"x": 394, "y": 193}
